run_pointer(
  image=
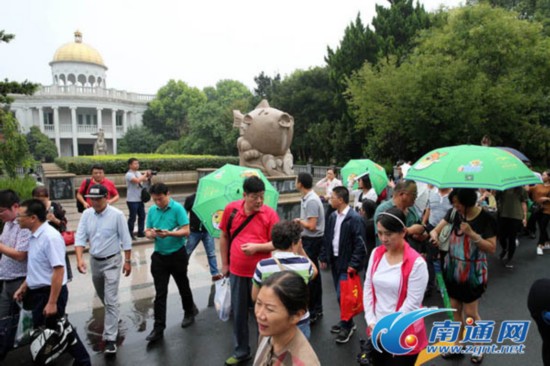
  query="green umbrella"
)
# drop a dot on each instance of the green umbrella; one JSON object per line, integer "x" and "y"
{"x": 225, "y": 185}
{"x": 357, "y": 167}
{"x": 471, "y": 166}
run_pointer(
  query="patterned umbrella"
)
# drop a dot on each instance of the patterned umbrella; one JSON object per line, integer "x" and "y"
{"x": 225, "y": 185}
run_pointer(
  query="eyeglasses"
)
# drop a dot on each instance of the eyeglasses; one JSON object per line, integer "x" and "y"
{"x": 24, "y": 215}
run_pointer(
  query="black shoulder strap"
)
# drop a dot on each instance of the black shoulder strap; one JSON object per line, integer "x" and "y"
{"x": 240, "y": 228}
{"x": 88, "y": 181}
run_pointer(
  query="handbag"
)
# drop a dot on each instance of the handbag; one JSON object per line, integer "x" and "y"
{"x": 68, "y": 237}
{"x": 351, "y": 297}
{"x": 445, "y": 234}
{"x": 145, "y": 195}
{"x": 79, "y": 206}
{"x": 48, "y": 344}
{"x": 222, "y": 299}
{"x": 24, "y": 327}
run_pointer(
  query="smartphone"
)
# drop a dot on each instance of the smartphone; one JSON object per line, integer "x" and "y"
{"x": 158, "y": 230}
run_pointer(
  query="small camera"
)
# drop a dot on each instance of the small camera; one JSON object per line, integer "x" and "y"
{"x": 154, "y": 172}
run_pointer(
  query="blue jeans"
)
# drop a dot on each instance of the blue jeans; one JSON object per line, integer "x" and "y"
{"x": 306, "y": 329}
{"x": 241, "y": 288}
{"x": 337, "y": 277}
{"x": 39, "y": 298}
{"x": 136, "y": 209}
{"x": 209, "y": 247}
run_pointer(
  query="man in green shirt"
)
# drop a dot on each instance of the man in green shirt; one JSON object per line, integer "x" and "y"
{"x": 168, "y": 225}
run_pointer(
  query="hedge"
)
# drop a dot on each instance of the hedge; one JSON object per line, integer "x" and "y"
{"x": 118, "y": 164}
{"x": 22, "y": 186}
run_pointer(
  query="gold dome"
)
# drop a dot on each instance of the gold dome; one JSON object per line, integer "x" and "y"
{"x": 78, "y": 52}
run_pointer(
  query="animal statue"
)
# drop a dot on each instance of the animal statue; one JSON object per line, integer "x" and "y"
{"x": 100, "y": 146}
{"x": 265, "y": 137}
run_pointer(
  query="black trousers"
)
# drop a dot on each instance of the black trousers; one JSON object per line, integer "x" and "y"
{"x": 543, "y": 220}
{"x": 312, "y": 247}
{"x": 39, "y": 298}
{"x": 162, "y": 267}
{"x": 508, "y": 230}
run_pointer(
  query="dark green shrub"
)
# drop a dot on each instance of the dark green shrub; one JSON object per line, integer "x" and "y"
{"x": 117, "y": 164}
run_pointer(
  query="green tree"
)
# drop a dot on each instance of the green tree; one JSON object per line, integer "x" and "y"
{"x": 168, "y": 114}
{"x": 140, "y": 140}
{"x": 397, "y": 26}
{"x": 211, "y": 125}
{"x": 266, "y": 87}
{"x": 7, "y": 86}
{"x": 308, "y": 97}
{"x": 484, "y": 72}
{"x": 40, "y": 146}
{"x": 13, "y": 145}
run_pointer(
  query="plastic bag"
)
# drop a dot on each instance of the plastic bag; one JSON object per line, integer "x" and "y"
{"x": 222, "y": 300}
{"x": 24, "y": 328}
{"x": 351, "y": 297}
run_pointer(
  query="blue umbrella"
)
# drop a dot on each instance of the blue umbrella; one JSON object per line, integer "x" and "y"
{"x": 518, "y": 154}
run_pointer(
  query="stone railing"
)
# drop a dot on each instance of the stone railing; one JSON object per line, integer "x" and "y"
{"x": 86, "y": 91}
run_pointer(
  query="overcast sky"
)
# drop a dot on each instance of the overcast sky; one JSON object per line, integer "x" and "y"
{"x": 146, "y": 43}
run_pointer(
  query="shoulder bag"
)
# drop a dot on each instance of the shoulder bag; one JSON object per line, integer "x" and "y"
{"x": 445, "y": 234}
{"x": 79, "y": 205}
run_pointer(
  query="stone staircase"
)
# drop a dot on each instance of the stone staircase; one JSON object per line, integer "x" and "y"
{"x": 52, "y": 169}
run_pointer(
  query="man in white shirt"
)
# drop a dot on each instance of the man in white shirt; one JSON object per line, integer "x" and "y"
{"x": 46, "y": 282}
{"x": 344, "y": 250}
{"x": 104, "y": 227}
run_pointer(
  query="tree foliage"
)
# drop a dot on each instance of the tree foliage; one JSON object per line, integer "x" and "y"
{"x": 6, "y": 86}
{"x": 139, "y": 140}
{"x": 266, "y": 87}
{"x": 13, "y": 145}
{"x": 484, "y": 72}
{"x": 307, "y": 96}
{"x": 40, "y": 146}
{"x": 211, "y": 127}
{"x": 397, "y": 26}
{"x": 168, "y": 114}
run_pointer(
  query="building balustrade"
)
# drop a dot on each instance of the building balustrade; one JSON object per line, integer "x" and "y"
{"x": 76, "y": 90}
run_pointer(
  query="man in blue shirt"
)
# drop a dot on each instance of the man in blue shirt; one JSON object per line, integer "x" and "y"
{"x": 46, "y": 277}
{"x": 168, "y": 224}
{"x": 104, "y": 227}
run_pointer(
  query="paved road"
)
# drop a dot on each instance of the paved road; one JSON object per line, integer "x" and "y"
{"x": 208, "y": 341}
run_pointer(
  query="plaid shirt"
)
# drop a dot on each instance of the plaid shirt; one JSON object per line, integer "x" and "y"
{"x": 14, "y": 237}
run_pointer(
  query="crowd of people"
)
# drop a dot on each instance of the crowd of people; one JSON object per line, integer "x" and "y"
{"x": 274, "y": 266}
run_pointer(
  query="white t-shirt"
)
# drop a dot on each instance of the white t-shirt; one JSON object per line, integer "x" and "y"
{"x": 387, "y": 283}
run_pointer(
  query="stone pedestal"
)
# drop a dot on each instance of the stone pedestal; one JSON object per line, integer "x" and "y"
{"x": 61, "y": 187}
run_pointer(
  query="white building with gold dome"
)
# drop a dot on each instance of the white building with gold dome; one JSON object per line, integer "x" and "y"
{"x": 78, "y": 104}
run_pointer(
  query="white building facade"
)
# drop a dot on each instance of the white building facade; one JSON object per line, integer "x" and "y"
{"x": 78, "y": 104}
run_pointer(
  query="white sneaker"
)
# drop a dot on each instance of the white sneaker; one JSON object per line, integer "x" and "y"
{"x": 517, "y": 242}
{"x": 547, "y": 246}
{"x": 539, "y": 251}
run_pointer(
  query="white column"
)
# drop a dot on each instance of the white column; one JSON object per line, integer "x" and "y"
{"x": 75, "y": 131}
{"x": 56, "y": 129}
{"x": 29, "y": 119}
{"x": 41, "y": 119}
{"x": 113, "y": 119}
{"x": 99, "y": 120}
{"x": 125, "y": 122}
